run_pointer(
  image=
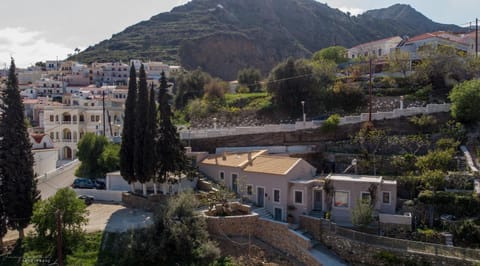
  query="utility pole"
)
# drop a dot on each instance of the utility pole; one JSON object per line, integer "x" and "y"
{"x": 476, "y": 37}
{"x": 59, "y": 237}
{"x": 370, "y": 93}
{"x": 103, "y": 109}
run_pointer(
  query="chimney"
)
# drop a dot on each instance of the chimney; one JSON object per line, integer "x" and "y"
{"x": 224, "y": 156}
{"x": 250, "y": 158}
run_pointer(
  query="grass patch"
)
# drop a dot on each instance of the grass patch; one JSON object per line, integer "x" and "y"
{"x": 250, "y": 101}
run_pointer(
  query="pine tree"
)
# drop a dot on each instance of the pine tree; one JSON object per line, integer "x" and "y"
{"x": 149, "y": 154}
{"x": 171, "y": 154}
{"x": 140, "y": 126}
{"x": 16, "y": 159}
{"x": 127, "y": 149}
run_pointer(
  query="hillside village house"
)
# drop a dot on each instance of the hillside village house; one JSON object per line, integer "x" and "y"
{"x": 67, "y": 123}
{"x": 44, "y": 153}
{"x": 434, "y": 39}
{"x": 379, "y": 49}
{"x": 287, "y": 187}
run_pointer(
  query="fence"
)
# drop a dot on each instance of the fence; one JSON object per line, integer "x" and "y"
{"x": 221, "y": 132}
{"x": 394, "y": 243}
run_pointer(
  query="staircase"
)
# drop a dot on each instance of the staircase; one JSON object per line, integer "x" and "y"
{"x": 321, "y": 253}
{"x": 448, "y": 239}
{"x": 263, "y": 213}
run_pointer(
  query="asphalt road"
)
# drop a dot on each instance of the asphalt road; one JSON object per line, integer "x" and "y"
{"x": 50, "y": 186}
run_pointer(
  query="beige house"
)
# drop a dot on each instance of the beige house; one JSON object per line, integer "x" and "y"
{"x": 287, "y": 187}
{"x": 379, "y": 48}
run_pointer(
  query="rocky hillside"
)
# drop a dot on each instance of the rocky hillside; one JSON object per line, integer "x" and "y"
{"x": 223, "y": 36}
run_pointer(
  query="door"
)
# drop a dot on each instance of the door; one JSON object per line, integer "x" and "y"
{"x": 317, "y": 200}
{"x": 234, "y": 183}
{"x": 260, "y": 196}
{"x": 277, "y": 214}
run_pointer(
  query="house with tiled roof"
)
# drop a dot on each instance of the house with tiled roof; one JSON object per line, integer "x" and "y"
{"x": 287, "y": 187}
{"x": 434, "y": 39}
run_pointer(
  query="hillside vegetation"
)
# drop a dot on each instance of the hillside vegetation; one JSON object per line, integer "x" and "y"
{"x": 222, "y": 36}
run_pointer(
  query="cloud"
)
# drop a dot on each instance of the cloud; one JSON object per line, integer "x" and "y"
{"x": 28, "y": 47}
{"x": 353, "y": 11}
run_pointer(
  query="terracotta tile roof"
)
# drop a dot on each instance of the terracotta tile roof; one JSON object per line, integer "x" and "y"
{"x": 231, "y": 159}
{"x": 277, "y": 165}
{"x": 37, "y": 137}
{"x": 438, "y": 34}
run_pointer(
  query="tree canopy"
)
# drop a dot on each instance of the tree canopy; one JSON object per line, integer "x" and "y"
{"x": 179, "y": 237}
{"x": 337, "y": 54}
{"x": 73, "y": 213}
{"x": 251, "y": 78}
{"x": 97, "y": 155}
{"x": 189, "y": 86}
{"x": 18, "y": 187}
{"x": 294, "y": 81}
{"x": 465, "y": 98}
{"x": 127, "y": 150}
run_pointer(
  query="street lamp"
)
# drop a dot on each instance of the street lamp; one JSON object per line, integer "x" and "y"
{"x": 303, "y": 112}
{"x": 215, "y": 123}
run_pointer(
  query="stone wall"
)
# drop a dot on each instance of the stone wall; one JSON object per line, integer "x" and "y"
{"x": 149, "y": 203}
{"x": 360, "y": 248}
{"x": 243, "y": 225}
{"x": 276, "y": 234}
{"x": 281, "y": 237}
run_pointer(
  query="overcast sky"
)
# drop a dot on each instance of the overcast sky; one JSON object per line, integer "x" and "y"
{"x": 32, "y": 30}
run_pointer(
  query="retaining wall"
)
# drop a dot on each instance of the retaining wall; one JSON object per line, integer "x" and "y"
{"x": 276, "y": 234}
{"x": 357, "y": 247}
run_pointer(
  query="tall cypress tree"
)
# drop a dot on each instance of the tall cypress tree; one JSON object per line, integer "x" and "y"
{"x": 140, "y": 126}
{"x": 149, "y": 154}
{"x": 127, "y": 149}
{"x": 170, "y": 151}
{"x": 16, "y": 159}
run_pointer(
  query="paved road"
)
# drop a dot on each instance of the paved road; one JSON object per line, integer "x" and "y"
{"x": 106, "y": 217}
{"x": 50, "y": 186}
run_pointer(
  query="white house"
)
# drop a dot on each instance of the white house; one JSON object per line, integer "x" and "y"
{"x": 44, "y": 153}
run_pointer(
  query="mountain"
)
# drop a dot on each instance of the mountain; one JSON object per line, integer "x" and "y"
{"x": 223, "y": 36}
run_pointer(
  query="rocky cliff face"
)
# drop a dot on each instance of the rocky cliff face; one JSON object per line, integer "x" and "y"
{"x": 223, "y": 36}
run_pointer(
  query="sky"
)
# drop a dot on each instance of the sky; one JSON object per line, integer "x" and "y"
{"x": 32, "y": 31}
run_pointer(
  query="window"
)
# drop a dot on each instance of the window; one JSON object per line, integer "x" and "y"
{"x": 222, "y": 175}
{"x": 365, "y": 197}
{"x": 276, "y": 195}
{"x": 341, "y": 199}
{"x": 249, "y": 190}
{"x": 92, "y": 118}
{"x": 51, "y": 118}
{"x": 298, "y": 197}
{"x": 380, "y": 52}
{"x": 52, "y": 135}
{"x": 386, "y": 197}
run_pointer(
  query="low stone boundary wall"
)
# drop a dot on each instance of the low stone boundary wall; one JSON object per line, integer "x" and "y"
{"x": 358, "y": 247}
{"x": 149, "y": 203}
{"x": 102, "y": 195}
{"x": 276, "y": 234}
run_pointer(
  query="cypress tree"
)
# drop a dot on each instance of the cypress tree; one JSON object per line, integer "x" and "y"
{"x": 127, "y": 149}
{"x": 171, "y": 153}
{"x": 149, "y": 154}
{"x": 140, "y": 126}
{"x": 16, "y": 159}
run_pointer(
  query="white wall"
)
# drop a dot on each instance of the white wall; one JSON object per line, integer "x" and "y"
{"x": 45, "y": 161}
{"x": 213, "y": 133}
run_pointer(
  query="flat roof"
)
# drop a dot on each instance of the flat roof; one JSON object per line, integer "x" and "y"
{"x": 277, "y": 165}
{"x": 361, "y": 178}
